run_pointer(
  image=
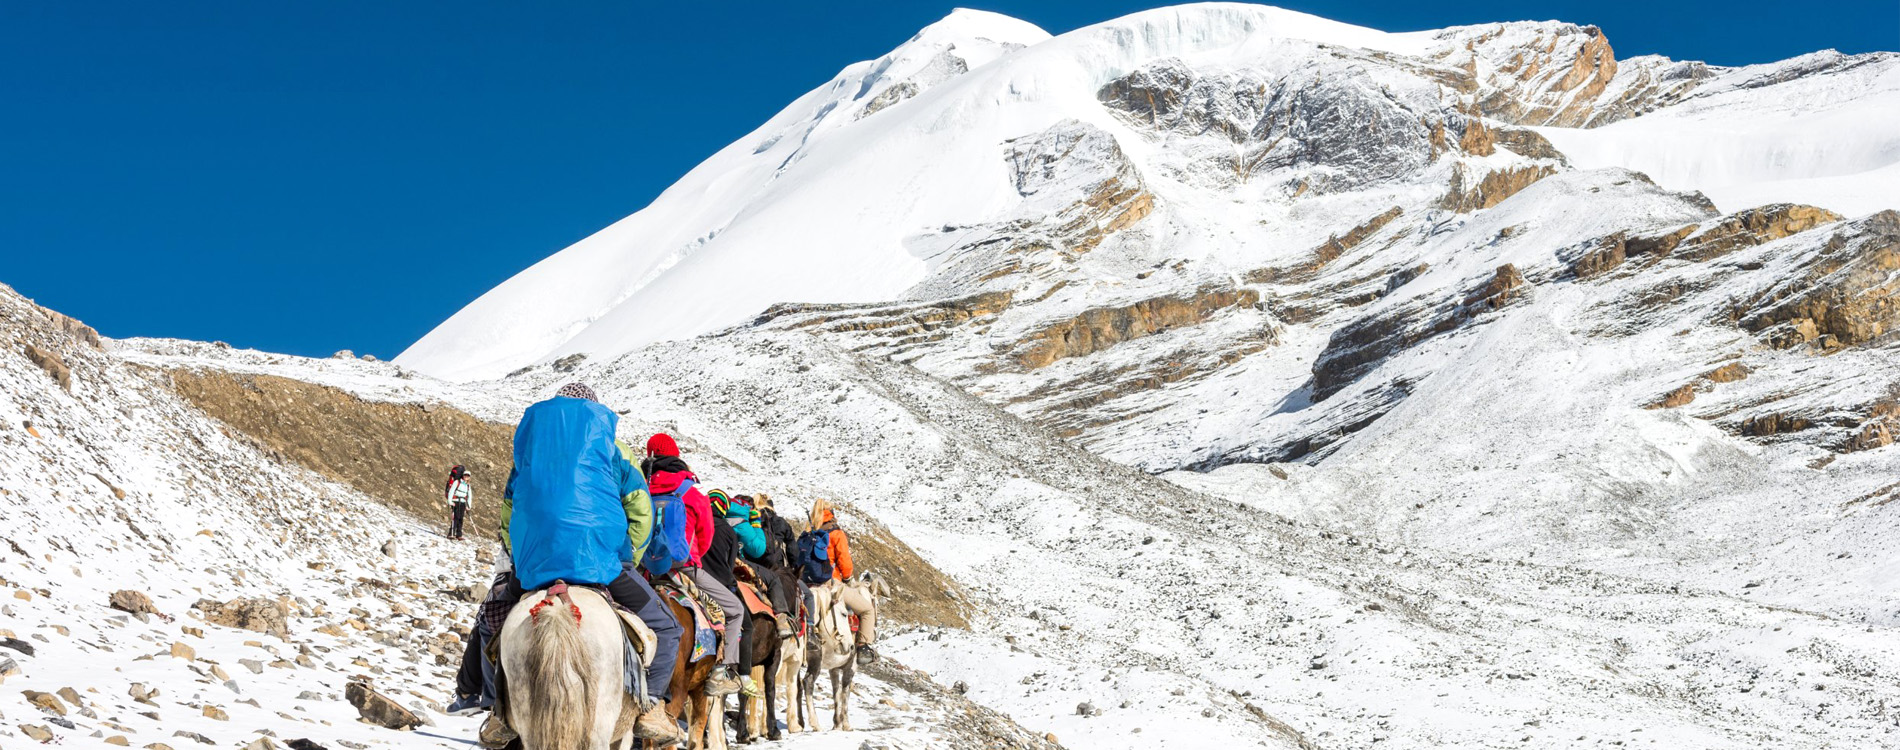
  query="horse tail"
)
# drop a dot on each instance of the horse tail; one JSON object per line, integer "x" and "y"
{"x": 561, "y": 699}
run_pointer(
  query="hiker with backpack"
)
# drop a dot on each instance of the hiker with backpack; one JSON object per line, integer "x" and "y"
{"x": 457, "y": 494}
{"x": 668, "y": 475}
{"x": 575, "y": 509}
{"x": 824, "y": 559}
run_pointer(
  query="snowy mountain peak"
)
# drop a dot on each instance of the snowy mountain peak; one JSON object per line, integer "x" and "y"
{"x": 1244, "y": 135}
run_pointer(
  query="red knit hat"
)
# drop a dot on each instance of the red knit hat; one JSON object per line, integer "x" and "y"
{"x": 662, "y": 444}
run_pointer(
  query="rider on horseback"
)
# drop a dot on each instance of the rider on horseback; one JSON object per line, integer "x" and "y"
{"x": 710, "y": 555}
{"x": 836, "y": 546}
{"x": 575, "y": 509}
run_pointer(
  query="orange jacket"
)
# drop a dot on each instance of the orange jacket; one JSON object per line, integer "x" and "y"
{"x": 840, "y": 550}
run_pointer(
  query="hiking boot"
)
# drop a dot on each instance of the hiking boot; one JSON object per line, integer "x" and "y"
{"x": 494, "y": 734}
{"x": 657, "y": 726}
{"x": 784, "y": 625}
{"x": 749, "y": 688}
{"x": 467, "y": 705}
{"x": 721, "y": 683}
{"x": 866, "y": 656}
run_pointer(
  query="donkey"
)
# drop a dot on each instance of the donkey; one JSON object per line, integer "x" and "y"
{"x": 563, "y": 661}
{"x": 689, "y": 701}
{"x": 833, "y": 649}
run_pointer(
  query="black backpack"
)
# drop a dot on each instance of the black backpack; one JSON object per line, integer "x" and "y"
{"x": 814, "y": 557}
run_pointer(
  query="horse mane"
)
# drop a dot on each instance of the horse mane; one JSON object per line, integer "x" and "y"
{"x": 558, "y": 669}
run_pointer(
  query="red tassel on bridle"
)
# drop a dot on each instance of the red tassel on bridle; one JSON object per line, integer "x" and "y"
{"x": 558, "y": 590}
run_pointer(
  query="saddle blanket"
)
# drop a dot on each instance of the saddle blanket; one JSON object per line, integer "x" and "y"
{"x": 753, "y": 602}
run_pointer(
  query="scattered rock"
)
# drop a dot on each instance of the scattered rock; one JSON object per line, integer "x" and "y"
{"x": 215, "y": 713}
{"x": 1086, "y": 708}
{"x": 255, "y": 614}
{"x": 118, "y": 739}
{"x": 45, "y": 702}
{"x": 182, "y": 651}
{"x": 389, "y": 548}
{"x": 256, "y": 667}
{"x": 194, "y": 736}
{"x": 142, "y": 695}
{"x": 71, "y": 697}
{"x": 135, "y": 602}
{"x": 304, "y": 744}
{"x": 378, "y": 709}
{"x": 37, "y": 733}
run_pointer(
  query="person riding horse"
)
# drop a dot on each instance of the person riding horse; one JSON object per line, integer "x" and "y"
{"x": 575, "y": 509}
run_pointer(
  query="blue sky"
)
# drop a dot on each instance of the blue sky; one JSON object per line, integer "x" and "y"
{"x": 307, "y": 177}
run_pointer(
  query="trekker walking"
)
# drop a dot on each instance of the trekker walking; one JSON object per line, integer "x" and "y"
{"x": 575, "y": 509}
{"x": 824, "y": 559}
{"x": 668, "y": 474}
{"x": 457, "y": 493}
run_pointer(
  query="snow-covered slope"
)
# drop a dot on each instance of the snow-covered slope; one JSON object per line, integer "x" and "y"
{"x": 1114, "y": 610}
{"x": 1817, "y": 129}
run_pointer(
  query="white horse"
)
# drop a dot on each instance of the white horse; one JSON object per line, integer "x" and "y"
{"x": 833, "y": 649}
{"x": 561, "y": 659}
{"x": 790, "y": 666}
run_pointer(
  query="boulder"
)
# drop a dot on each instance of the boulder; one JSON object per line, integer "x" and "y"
{"x": 182, "y": 651}
{"x": 45, "y": 702}
{"x": 135, "y": 602}
{"x": 255, "y": 614}
{"x": 37, "y": 733}
{"x": 379, "y": 709}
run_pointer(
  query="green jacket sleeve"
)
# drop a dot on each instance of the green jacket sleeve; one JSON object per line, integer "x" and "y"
{"x": 634, "y": 499}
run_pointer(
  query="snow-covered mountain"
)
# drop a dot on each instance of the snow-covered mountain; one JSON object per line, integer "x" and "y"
{"x": 1273, "y": 130}
{"x": 1231, "y": 377}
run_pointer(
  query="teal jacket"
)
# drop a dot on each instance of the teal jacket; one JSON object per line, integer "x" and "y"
{"x": 745, "y": 522}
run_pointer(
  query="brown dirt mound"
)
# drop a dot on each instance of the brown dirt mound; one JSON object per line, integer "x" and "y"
{"x": 398, "y": 453}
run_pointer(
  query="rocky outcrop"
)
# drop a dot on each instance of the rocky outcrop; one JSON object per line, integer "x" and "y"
{"x": 1844, "y": 293}
{"x": 135, "y": 602}
{"x": 1686, "y": 393}
{"x": 51, "y": 362}
{"x": 1745, "y": 229}
{"x": 896, "y": 93}
{"x": 1358, "y": 347}
{"x": 1075, "y": 158}
{"x": 1100, "y": 328}
{"x": 1534, "y": 74}
{"x": 1320, "y": 122}
{"x": 1327, "y": 252}
{"x": 1491, "y": 189}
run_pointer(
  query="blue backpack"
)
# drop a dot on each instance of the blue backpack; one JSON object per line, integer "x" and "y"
{"x": 814, "y": 557}
{"x": 668, "y": 546}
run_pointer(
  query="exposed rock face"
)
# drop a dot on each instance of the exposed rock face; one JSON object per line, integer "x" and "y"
{"x": 1328, "y": 252}
{"x": 1492, "y": 189}
{"x": 1551, "y": 77}
{"x": 398, "y": 453}
{"x": 1103, "y": 327}
{"x": 1234, "y": 126}
{"x": 1845, "y": 293}
{"x": 378, "y": 709}
{"x": 1744, "y": 229}
{"x": 1076, "y": 158}
{"x": 1357, "y": 348}
{"x": 256, "y": 614}
{"x": 896, "y": 93}
{"x": 54, "y": 366}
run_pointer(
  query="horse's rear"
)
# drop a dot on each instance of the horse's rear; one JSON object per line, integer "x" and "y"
{"x": 563, "y": 663}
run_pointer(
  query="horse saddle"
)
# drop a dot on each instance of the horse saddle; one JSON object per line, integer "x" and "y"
{"x": 753, "y": 602}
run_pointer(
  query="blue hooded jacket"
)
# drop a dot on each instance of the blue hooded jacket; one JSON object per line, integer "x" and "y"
{"x": 564, "y": 513}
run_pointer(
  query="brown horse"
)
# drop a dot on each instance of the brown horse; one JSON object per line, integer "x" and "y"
{"x": 764, "y": 645}
{"x": 688, "y": 701}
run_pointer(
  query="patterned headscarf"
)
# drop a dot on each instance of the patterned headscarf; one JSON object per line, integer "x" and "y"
{"x": 578, "y": 390}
